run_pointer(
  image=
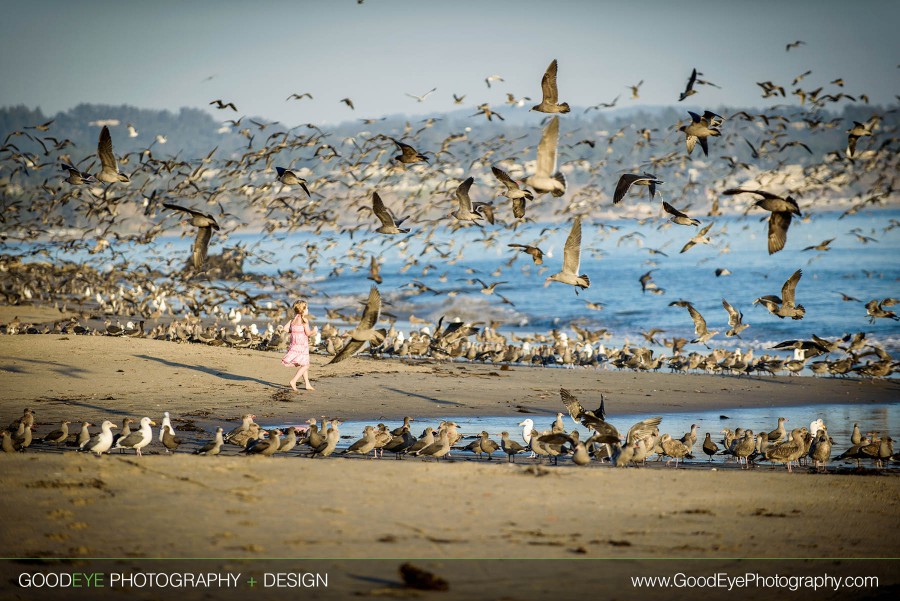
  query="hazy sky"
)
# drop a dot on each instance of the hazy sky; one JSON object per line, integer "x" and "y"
{"x": 161, "y": 55}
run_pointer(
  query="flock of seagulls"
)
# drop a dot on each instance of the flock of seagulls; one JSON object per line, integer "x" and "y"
{"x": 603, "y": 444}
{"x": 156, "y": 183}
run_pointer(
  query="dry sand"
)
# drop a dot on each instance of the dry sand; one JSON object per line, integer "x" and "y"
{"x": 71, "y": 505}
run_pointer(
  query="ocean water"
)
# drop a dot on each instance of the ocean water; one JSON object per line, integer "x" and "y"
{"x": 614, "y": 254}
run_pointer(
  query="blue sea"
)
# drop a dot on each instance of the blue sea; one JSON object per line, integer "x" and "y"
{"x": 614, "y": 254}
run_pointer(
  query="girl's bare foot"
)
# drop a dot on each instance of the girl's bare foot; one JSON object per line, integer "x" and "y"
{"x": 310, "y": 388}
{"x": 294, "y": 386}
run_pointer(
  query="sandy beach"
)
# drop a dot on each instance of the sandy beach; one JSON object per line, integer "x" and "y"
{"x": 439, "y": 513}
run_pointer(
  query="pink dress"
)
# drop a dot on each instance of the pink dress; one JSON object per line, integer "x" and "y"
{"x": 298, "y": 352}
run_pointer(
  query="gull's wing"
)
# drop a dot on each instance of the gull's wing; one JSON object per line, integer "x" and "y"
{"x": 184, "y": 209}
{"x": 546, "y": 152}
{"x": 691, "y": 141}
{"x": 348, "y": 350}
{"x": 372, "y": 310}
{"x": 790, "y": 288}
{"x": 623, "y": 185}
{"x": 762, "y": 193}
{"x": 572, "y": 405}
{"x": 201, "y": 245}
{"x": 642, "y": 429}
{"x": 548, "y": 84}
{"x": 734, "y": 316}
{"x": 699, "y": 322}
{"x": 384, "y": 216}
{"x": 672, "y": 210}
{"x": 572, "y": 250}
{"x": 504, "y": 178}
{"x": 779, "y": 222}
{"x": 105, "y": 151}
{"x": 462, "y": 195}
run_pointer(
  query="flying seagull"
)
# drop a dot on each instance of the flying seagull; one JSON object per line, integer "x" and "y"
{"x": 205, "y": 224}
{"x": 289, "y": 178}
{"x": 109, "y": 169}
{"x": 550, "y": 100}
{"x": 703, "y": 333}
{"x": 546, "y": 177}
{"x": 423, "y": 96}
{"x": 572, "y": 261}
{"x": 408, "y": 154}
{"x": 389, "y": 224}
{"x": 784, "y": 306}
{"x": 517, "y": 195}
{"x": 679, "y": 217}
{"x": 781, "y": 208}
{"x": 735, "y": 320}
{"x": 365, "y": 331}
{"x": 700, "y": 128}
{"x": 633, "y": 179}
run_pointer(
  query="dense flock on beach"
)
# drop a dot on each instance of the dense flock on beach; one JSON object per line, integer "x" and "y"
{"x": 604, "y": 445}
{"x": 73, "y": 217}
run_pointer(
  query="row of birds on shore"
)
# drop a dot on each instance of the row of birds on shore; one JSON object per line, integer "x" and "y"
{"x": 604, "y": 443}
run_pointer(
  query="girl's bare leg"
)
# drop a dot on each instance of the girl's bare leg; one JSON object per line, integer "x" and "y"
{"x": 304, "y": 373}
{"x": 298, "y": 376}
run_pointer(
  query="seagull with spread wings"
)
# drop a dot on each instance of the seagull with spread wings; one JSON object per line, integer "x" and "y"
{"x": 289, "y": 178}
{"x": 633, "y": 179}
{"x": 735, "y": 320}
{"x": 408, "y": 154}
{"x": 604, "y": 432}
{"x": 423, "y": 96}
{"x": 700, "y": 128}
{"x": 703, "y": 333}
{"x": 782, "y": 210}
{"x": 205, "y": 224}
{"x": 679, "y": 217}
{"x": 546, "y": 178}
{"x": 572, "y": 261}
{"x": 517, "y": 195}
{"x": 109, "y": 169}
{"x": 784, "y": 306}
{"x": 550, "y": 93}
{"x": 389, "y": 224}
{"x": 365, "y": 331}
{"x": 464, "y": 210}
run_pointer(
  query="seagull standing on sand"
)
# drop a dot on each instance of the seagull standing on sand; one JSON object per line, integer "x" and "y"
{"x": 100, "y": 443}
{"x": 138, "y": 439}
{"x": 572, "y": 261}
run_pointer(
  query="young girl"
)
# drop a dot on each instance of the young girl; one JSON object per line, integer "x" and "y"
{"x": 298, "y": 353}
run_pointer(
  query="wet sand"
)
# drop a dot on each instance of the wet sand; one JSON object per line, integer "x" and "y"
{"x": 181, "y": 506}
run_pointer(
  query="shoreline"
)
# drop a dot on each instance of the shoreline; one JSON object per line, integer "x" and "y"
{"x": 93, "y": 376}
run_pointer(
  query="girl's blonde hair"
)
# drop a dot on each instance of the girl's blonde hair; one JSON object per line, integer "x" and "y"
{"x": 300, "y": 307}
